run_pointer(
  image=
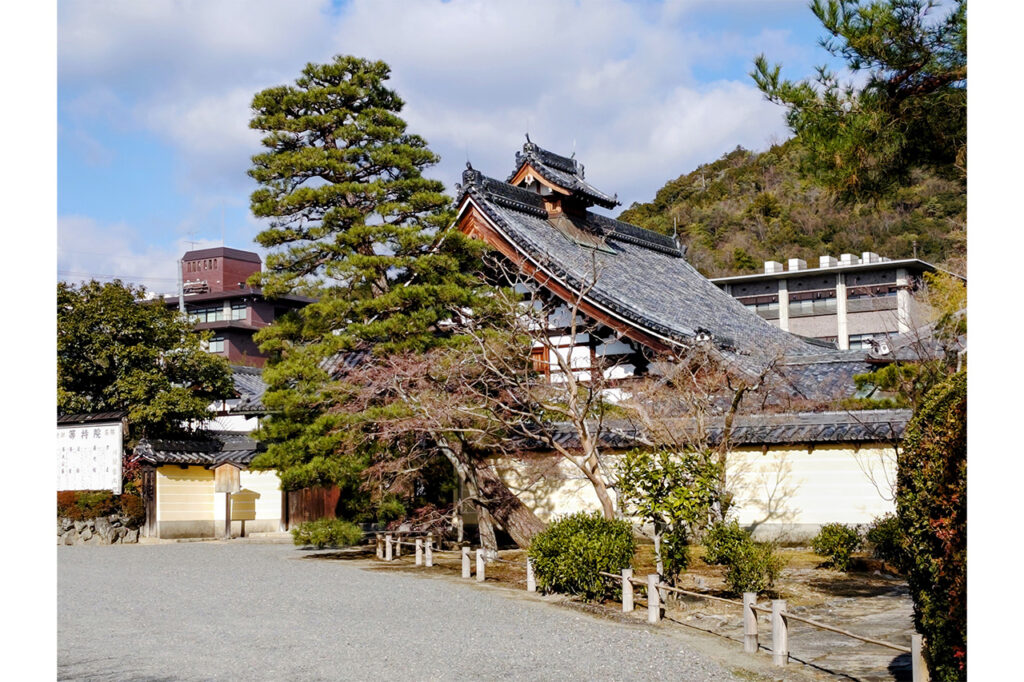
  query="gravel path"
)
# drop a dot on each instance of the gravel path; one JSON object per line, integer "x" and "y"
{"x": 237, "y": 611}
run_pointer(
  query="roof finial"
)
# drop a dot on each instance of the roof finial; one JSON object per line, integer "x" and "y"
{"x": 573, "y": 155}
{"x": 528, "y": 136}
{"x": 469, "y": 166}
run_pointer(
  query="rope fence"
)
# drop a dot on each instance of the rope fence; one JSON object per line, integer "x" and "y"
{"x": 389, "y": 548}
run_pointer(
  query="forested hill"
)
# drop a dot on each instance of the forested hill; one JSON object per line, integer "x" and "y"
{"x": 746, "y": 208}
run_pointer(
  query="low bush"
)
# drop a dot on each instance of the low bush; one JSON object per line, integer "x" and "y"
{"x": 888, "y": 542}
{"x": 327, "y": 533}
{"x": 722, "y": 540}
{"x": 753, "y": 567}
{"x": 836, "y": 542}
{"x": 81, "y": 505}
{"x": 570, "y": 552}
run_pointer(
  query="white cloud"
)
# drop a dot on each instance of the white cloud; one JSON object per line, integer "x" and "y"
{"x": 615, "y": 77}
{"x": 87, "y": 249}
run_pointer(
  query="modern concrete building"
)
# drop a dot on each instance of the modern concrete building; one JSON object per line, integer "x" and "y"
{"x": 217, "y": 297}
{"x": 848, "y": 301}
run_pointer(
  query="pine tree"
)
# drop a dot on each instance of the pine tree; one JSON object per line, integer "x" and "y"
{"x": 910, "y": 113}
{"x": 354, "y": 223}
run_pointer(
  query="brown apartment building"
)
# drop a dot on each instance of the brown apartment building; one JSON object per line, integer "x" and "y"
{"x": 218, "y": 298}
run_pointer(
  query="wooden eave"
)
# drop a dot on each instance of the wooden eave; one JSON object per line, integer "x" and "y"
{"x": 472, "y": 222}
{"x": 528, "y": 169}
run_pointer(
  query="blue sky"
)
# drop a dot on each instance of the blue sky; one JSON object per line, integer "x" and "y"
{"x": 153, "y": 100}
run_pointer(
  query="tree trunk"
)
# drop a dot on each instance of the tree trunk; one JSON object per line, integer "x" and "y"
{"x": 485, "y": 526}
{"x": 506, "y": 509}
{"x": 514, "y": 517}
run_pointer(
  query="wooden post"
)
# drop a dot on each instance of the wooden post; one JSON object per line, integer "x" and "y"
{"x": 653, "y": 600}
{"x": 466, "y": 572}
{"x": 419, "y": 551}
{"x": 627, "y": 590}
{"x": 480, "y": 570}
{"x": 430, "y": 550}
{"x": 749, "y": 622}
{"x": 780, "y": 635}
{"x": 531, "y": 579}
{"x": 387, "y": 547}
{"x": 398, "y": 545}
{"x": 918, "y": 669}
{"x": 227, "y": 516}
{"x": 380, "y": 546}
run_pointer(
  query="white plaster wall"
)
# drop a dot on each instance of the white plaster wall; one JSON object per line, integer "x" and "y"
{"x": 788, "y": 492}
{"x": 259, "y": 499}
{"x": 794, "y": 490}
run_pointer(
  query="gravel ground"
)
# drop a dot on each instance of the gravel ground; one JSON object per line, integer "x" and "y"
{"x": 237, "y": 611}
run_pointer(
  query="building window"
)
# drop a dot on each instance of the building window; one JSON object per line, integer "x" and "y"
{"x": 860, "y": 341}
{"x": 216, "y": 345}
{"x": 208, "y": 314}
{"x": 238, "y": 311}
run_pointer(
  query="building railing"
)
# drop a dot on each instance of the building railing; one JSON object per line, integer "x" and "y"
{"x": 389, "y": 547}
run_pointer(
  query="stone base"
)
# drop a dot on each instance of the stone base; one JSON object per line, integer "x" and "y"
{"x": 103, "y": 530}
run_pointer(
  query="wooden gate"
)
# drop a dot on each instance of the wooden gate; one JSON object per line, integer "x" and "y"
{"x": 310, "y": 504}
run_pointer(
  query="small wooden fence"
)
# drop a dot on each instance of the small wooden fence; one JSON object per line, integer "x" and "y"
{"x": 389, "y": 547}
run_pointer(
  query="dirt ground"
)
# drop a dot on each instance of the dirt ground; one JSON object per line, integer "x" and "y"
{"x": 870, "y": 600}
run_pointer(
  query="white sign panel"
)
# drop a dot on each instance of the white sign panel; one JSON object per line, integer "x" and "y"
{"x": 89, "y": 457}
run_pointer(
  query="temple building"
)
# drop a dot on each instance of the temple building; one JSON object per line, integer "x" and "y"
{"x": 644, "y": 303}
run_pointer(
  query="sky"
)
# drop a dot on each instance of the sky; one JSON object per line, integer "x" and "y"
{"x": 153, "y": 101}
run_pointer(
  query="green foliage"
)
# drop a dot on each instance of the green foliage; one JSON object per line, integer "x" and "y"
{"x": 721, "y": 542}
{"x": 931, "y": 503}
{"x": 885, "y": 534}
{"x": 675, "y": 492}
{"x": 354, "y": 222}
{"x": 753, "y": 567}
{"x": 726, "y": 235}
{"x": 390, "y": 509}
{"x": 115, "y": 352}
{"x": 836, "y": 542}
{"x": 912, "y": 110}
{"x": 327, "y": 533}
{"x": 570, "y": 552}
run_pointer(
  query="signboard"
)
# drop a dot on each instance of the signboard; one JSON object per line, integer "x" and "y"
{"x": 89, "y": 457}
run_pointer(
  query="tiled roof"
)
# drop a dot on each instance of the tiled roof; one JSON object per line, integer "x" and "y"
{"x": 210, "y": 450}
{"x": 250, "y": 388}
{"x": 562, "y": 171}
{"x": 915, "y": 345}
{"x": 800, "y": 428}
{"x": 644, "y": 279}
{"x": 91, "y": 417}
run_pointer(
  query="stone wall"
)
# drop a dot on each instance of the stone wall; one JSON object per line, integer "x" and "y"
{"x": 102, "y": 530}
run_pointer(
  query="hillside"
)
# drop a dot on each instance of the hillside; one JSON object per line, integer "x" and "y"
{"x": 745, "y": 208}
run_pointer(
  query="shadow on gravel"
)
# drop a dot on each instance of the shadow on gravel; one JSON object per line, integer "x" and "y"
{"x": 339, "y": 553}
{"x": 851, "y": 587}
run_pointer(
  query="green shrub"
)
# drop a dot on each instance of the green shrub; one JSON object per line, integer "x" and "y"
{"x": 568, "y": 554}
{"x": 888, "y": 542}
{"x": 327, "y": 533}
{"x": 836, "y": 542}
{"x": 390, "y": 509}
{"x": 722, "y": 540}
{"x": 753, "y": 567}
{"x": 931, "y": 503}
